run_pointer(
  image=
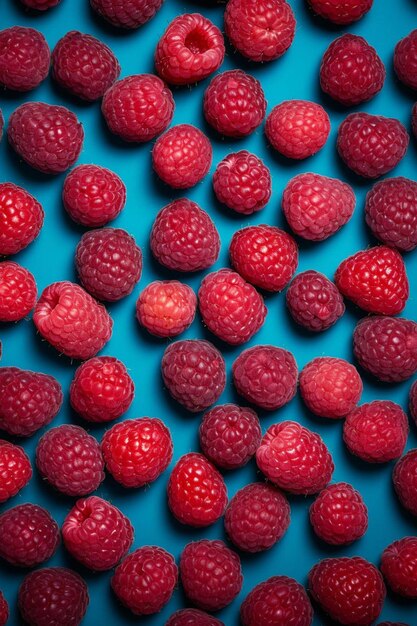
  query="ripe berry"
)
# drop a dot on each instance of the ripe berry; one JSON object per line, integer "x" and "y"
{"x": 40, "y": 5}
{"x": 314, "y": 301}
{"x": 404, "y": 478}
{"x": 166, "y": 308}
{"x": 4, "y": 612}
{"x": 192, "y": 617}
{"x": 399, "y": 566}
{"x": 127, "y": 14}
{"x": 21, "y": 218}
{"x": 24, "y": 58}
{"x": 18, "y": 292}
{"x": 413, "y": 401}
{"x": 278, "y": 601}
{"x": 405, "y": 60}
{"x": 15, "y": 470}
{"x": 341, "y": 11}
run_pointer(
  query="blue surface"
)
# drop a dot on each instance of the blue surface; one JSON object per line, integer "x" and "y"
{"x": 50, "y": 258}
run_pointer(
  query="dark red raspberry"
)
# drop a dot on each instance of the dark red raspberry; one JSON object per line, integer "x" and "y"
{"x": 230, "y": 435}
{"x": 126, "y": 13}
{"x": 15, "y": 470}
{"x": 84, "y": 65}
{"x": 70, "y": 460}
{"x": 278, "y": 601}
{"x": 137, "y": 451}
{"x": 184, "y": 237}
{"x": 262, "y": 30}
{"x": 392, "y": 624}
{"x": 413, "y": 401}
{"x": 234, "y": 103}
{"x": 24, "y": 58}
{"x": 341, "y": 11}
{"x": 97, "y": 533}
{"x": 192, "y": 617}
{"x": 414, "y": 120}
{"x": 197, "y": 493}
{"x": 405, "y": 60}
{"x": 4, "y": 612}
{"x": 21, "y": 218}
{"x": 40, "y": 5}
{"x": 101, "y": 389}
{"x": 18, "y": 292}
{"x": 257, "y": 517}
{"x": 399, "y": 566}
{"x": 166, "y": 308}
{"x": 404, "y": 478}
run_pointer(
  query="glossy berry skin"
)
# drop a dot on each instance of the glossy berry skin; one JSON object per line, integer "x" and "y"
{"x": 15, "y": 470}
{"x": 137, "y": 451}
{"x": 413, "y": 401}
{"x": 341, "y": 11}
{"x": 40, "y": 5}
{"x": 4, "y": 611}
{"x": 21, "y": 218}
{"x": 166, "y": 308}
{"x": 18, "y": 292}
{"x": 405, "y": 60}
{"x": 404, "y": 477}
{"x": 192, "y": 617}
{"x": 127, "y": 14}
{"x": 314, "y": 302}
{"x": 96, "y": 533}
{"x": 197, "y": 493}
{"x": 399, "y": 567}
{"x": 24, "y": 58}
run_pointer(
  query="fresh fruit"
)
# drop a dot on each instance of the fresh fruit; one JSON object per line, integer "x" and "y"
{"x": 128, "y": 14}
{"x": 21, "y": 218}
{"x": 40, "y": 5}
{"x": 15, "y": 470}
{"x": 166, "y": 308}
{"x": 341, "y": 11}
{"x": 18, "y": 292}
{"x": 413, "y": 401}
{"x": 278, "y": 601}
{"x": 405, "y": 60}
{"x": 314, "y": 301}
{"x": 4, "y": 611}
{"x": 404, "y": 478}
{"x": 192, "y": 617}
{"x": 399, "y": 567}
{"x": 24, "y": 58}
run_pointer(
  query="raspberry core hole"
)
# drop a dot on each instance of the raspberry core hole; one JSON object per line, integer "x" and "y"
{"x": 197, "y": 42}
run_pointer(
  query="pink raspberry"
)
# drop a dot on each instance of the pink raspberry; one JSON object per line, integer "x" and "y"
{"x": 24, "y": 58}
{"x": 101, "y": 389}
{"x": 262, "y": 30}
{"x": 97, "y": 533}
{"x": 126, "y": 13}
{"x": 109, "y": 263}
{"x": 257, "y": 517}
{"x": 399, "y": 566}
{"x": 184, "y": 237}
{"x": 40, "y": 5}
{"x": 192, "y": 617}
{"x": 341, "y": 11}
{"x": 15, "y": 470}
{"x": 84, "y": 65}
{"x": 211, "y": 574}
{"x": 21, "y": 218}
{"x": 138, "y": 108}
{"x": 413, "y": 401}
{"x": 70, "y": 460}
{"x": 230, "y": 435}
{"x": 266, "y": 376}
{"x": 295, "y": 459}
{"x": 234, "y": 103}
{"x": 4, "y": 612}
{"x": 190, "y": 49}
{"x": 278, "y": 601}
{"x": 405, "y": 60}
{"x": 404, "y": 478}
{"x": 314, "y": 301}
{"x": 166, "y": 308}
{"x": 18, "y": 292}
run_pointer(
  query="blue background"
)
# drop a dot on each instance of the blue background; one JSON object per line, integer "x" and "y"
{"x": 50, "y": 258}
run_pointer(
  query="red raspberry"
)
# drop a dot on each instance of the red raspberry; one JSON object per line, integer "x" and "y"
{"x": 4, "y": 612}
{"x": 21, "y": 218}
{"x": 265, "y": 256}
{"x": 192, "y": 617}
{"x": 184, "y": 237}
{"x": 295, "y": 459}
{"x": 404, "y": 478}
{"x": 15, "y": 470}
{"x": 330, "y": 387}
{"x": 109, "y": 263}
{"x": 391, "y": 212}
{"x": 24, "y": 58}
{"x": 399, "y": 566}
{"x": 266, "y": 376}
{"x": 137, "y": 451}
{"x": 413, "y": 401}
{"x": 70, "y": 460}
{"x": 194, "y": 373}
{"x": 405, "y": 60}
{"x": 197, "y": 493}
{"x": 297, "y": 128}
{"x": 257, "y": 517}
{"x": 145, "y": 580}
{"x": 97, "y": 533}
{"x": 126, "y": 13}
{"x": 40, "y": 5}
{"x": 211, "y": 574}
{"x": 28, "y": 535}
{"x": 101, "y": 389}
{"x": 166, "y": 308}
{"x": 371, "y": 145}
{"x": 339, "y": 515}
{"x": 182, "y": 156}
{"x": 262, "y": 30}
{"x": 93, "y": 195}
{"x": 28, "y": 400}
{"x": 392, "y": 624}
{"x": 230, "y": 307}
{"x": 234, "y": 103}
{"x": 72, "y": 321}
{"x": 84, "y": 65}
{"x": 341, "y": 11}
{"x": 230, "y": 435}
{"x": 17, "y": 292}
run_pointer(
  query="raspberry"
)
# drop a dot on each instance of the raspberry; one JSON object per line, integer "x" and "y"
{"x": 349, "y": 589}
{"x": 145, "y": 580}
{"x": 4, "y": 612}
{"x": 314, "y": 301}
{"x": 192, "y": 617}
{"x": 278, "y": 601}
{"x": 101, "y": 389}
{"x": 404, "y": 478}
{"x": 166, "y": 308}
{"x": 392, "y": 624}
{"x": 137, "y": 451}
{"x": 126, "y": 13}
{"x": 230, "y": 307}
{"x": 230, "y": 435}
{"x": 297, "y": 128}
{"x": 234, "y": 103}
{"x": 17, "y": 292}
{"x": 40, "y": 5}
{"x": 211, "y": 574}
{"x": 24, "y": 58}
{"x": 375, "y": 280}
{"x": 109, "y": 263}
{"x": 194, "y": 373}
{"x": 72, "y": 321}
{"x": 386, "y": 347}
{"x": 69, "y": 459}
{"x": 257, "y": 517}
{"x": 93, "y": 195}
{"x": 295, "y": 459}
{"x": 266, "y": 376}
{"x": 1, "y": 135}
{"x": 391, "y": 212}
{"x": 330, "y": 387}
{"x": 28, "y": 535}
{"x": 21, "y": 218}
{"x": 413, "y": 401}
{"x": 371, "y": 145}
{"x": 84, "y": 65}
{"x": 339, "y": 515}
{"x": 399, "y": 566}
{"x": 184, "y": 237}
{"x": 191, "y": 49}
{"x": 15, "y": 470}
{"x": 316, "y": 206}
{"x": 138, "y": 108}
{"x": 414, "y": 120}
{"x": 197, "y": 493}
{"x": 96, "y": 533}
{"x": 405, "y": 60}
{"x": 182, "y": 156}
{"x": 262, "y": 30}
{"x": 341, "y": 11}
{"x": 265, "y": 256}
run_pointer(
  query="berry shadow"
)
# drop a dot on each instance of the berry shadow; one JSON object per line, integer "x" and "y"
{"x": 319, "y": 22}
{"x": 117, "y": 142}
{"x": 21, "y": 168}
{"x": 64, "y": 94}
{"x": 110, "y": 30}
